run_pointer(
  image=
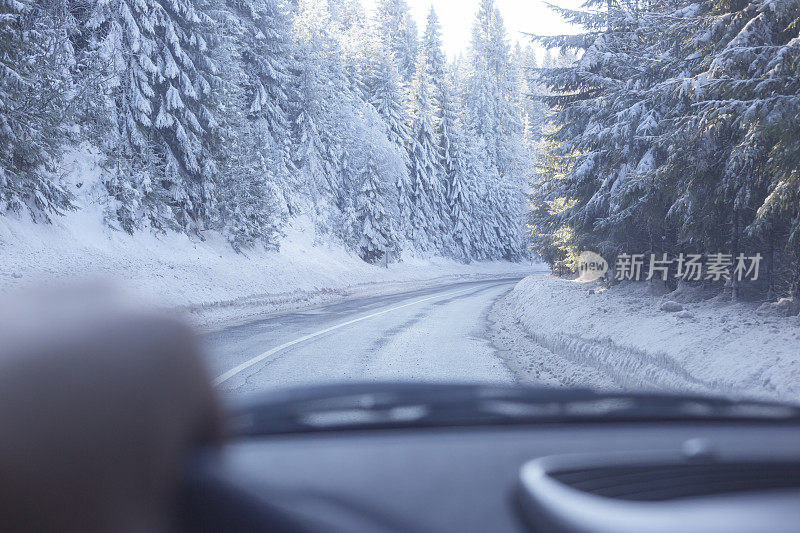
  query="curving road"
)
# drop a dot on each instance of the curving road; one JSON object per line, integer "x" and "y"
{"x": 433, "y": 334}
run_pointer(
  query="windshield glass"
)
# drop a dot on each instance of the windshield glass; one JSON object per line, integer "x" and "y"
{"x": 600, "y": 195}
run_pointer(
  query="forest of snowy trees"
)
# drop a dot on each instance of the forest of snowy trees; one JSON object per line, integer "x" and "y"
{"x": 238, "y": 115}
{"x": 677, "y": 130}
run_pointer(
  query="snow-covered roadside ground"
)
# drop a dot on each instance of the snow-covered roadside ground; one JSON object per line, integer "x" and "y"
{"x": 207, "y": 281}
{"x": 210, "y": 283}
{"x": 562, "y": 332}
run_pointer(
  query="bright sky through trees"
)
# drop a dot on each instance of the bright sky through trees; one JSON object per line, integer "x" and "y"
{"x": 456, "y": 16}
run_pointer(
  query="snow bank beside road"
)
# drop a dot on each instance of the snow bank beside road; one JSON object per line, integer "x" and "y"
{"x": 204, "y": 278}
{"x": 212, "y": 284}
{"x": 571, "y": 333}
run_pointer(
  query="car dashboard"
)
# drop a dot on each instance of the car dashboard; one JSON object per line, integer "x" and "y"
{"x": 575, "y": 477}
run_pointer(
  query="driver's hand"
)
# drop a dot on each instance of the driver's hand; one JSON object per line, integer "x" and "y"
{"x": 99, "y": 405}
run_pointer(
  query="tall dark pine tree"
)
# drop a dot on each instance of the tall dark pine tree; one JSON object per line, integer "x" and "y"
{"x": 675, "y": 132}
{"x": 745, "y": 111}
{"x": 610, "y": 105}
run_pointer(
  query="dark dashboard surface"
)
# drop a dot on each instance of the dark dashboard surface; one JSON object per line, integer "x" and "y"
{"x": 455, "y": 479}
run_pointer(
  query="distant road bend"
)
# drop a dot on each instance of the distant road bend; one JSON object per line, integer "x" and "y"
{"x": 435, "y": 334}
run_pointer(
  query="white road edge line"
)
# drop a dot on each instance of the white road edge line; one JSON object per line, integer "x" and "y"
{"x": 222, "y": 378}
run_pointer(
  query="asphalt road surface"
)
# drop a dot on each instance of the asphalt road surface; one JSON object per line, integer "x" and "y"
{"x": 436, "y": 334}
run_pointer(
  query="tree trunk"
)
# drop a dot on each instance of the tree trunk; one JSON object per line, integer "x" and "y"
{"x": 735, "y": 252}
{"x": 795, "y": 287}
{"x": 771, "y": 271}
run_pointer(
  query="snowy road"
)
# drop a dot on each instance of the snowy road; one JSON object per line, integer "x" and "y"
{"x": 433, "y": 334}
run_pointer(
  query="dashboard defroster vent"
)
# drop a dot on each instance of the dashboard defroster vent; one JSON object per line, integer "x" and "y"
{"x": 667, "y": 482}
{"x": 660, "y": 492}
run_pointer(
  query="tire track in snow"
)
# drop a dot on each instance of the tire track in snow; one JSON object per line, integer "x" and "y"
{"x": 570, "y": 359}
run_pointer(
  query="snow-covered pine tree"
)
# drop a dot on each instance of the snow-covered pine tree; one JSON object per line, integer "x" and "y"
{"x": 185, "y": 111}
{"x": 434, "y": 54}
{"x": 334, "y": 125}
{"x": 353, "y": 33}
{"x": 122, "y": 41}
{"x": 251, "y": 208}
{"x": 610, "y": 105}
{"x": 454, "y": 207}
{"x": 483, "y": 97}
{"x": 552, "y": 238}
{"x": 495, "y": 119}
{"x": 485, "y": 228}
{"x": 745, "y": 92}
{"x": 264, "y": 43}
{"x": 35, "y": 90}
{"x": 320, "y": 97}
{"x": 426, "y": 171}
{"x": 162, "y": 80}
{"x": 385, "y": 93}
{"x": 399, "y": 31}
{"x": 373, "y": 215}
{"x": 458, "y": 174}
{"x": 360, "y": 123}
{"x": 672, "y": 131}
{"x": 534, "y": 109}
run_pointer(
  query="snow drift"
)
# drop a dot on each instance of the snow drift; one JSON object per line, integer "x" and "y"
{"x": 566, "y": 332}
